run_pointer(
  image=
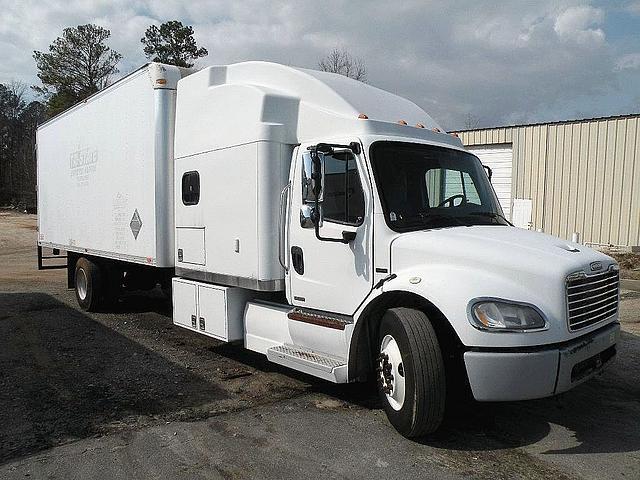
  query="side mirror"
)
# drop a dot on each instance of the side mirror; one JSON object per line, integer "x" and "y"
{"x": 308, "y": 216}
{"x": 488, "y": 170}
{"x": 312, "y": 177}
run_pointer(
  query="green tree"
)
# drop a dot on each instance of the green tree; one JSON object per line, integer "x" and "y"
{"x": 172, "y": 43}
{"x": 78, "y": 64}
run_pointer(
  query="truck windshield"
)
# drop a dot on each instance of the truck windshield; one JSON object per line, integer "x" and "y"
{"x": 424, "y": 186}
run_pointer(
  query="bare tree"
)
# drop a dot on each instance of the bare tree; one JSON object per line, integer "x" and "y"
{"x": 17, "y": 104}
{"x": 471, "y": 122}
{"x": 18, "y": 121}
{"x": 342, "y": 62}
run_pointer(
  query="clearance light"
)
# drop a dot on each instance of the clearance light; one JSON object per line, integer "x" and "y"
{"x": 454, "y": 134}
{"x": 362, "y": 116}
{"x": 161, "y": 81}
{"x": 402, "y": 122}
{"x": 436, "y": 129}
{"x": 419, "y": 125}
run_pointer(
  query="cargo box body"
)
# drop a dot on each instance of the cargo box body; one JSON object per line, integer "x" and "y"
{"x": 105, "y": 171}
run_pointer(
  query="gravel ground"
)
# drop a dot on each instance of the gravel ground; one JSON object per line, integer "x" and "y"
{"x": 629, "y": 264}
{"x": 128, "y": 395}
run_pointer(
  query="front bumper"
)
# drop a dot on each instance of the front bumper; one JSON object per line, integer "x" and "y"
{"x": 539, "y": 372}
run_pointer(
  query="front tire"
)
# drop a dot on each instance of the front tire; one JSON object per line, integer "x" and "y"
{"x": 88, "y": 283}
{"x": 410, "y": 372}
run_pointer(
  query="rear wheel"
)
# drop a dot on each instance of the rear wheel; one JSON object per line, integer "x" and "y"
{"x": 410, "y": 372}
{"x": 88, "y": 281}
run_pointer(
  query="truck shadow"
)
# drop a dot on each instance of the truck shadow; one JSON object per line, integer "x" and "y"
{"x": 142, "y": 302}
{"x": 65, "y": 376}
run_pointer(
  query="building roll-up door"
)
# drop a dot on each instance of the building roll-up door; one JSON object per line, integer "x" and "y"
{"x": 500, "y": 159}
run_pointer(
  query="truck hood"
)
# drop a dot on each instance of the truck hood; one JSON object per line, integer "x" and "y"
{"x": 495, "y": 248}
{"x": 453, "y": 267}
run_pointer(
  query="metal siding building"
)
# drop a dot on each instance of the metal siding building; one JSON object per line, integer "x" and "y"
{"x": 580, "y": 176}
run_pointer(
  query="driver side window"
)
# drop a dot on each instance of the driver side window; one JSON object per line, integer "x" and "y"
{"x": 442, "y": 184}
{"x": 343, "y": 194}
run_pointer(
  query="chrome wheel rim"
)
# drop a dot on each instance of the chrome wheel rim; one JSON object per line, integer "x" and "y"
{"x": 81, "y": 284}
{"x": 391, "y": 374}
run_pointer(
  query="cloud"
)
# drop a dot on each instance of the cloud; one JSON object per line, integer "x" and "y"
{"x": 576, "y": 24}
{"x": 634, "y": 8}
{"x": 503, "y": 62}
{"x": 631, "y": 61}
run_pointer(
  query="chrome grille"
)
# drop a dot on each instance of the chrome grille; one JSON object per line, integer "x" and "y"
{"x": 592, "y": 298}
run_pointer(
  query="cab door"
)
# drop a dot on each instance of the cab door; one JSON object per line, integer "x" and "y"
{"x": 326, "y": 274}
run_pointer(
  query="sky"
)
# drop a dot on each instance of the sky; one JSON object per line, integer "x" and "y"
{"x": 498, "y": 62}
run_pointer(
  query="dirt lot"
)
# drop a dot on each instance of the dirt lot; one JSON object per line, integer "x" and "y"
{"x": 127, "y": 395}
{"x": 629, "y": 264}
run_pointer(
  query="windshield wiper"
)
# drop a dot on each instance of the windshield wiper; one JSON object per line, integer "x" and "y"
{"x": 431, "y": 217}
{"x": 493, "y": 215}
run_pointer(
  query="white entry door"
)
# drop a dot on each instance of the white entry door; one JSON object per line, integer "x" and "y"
{"x": 500, "y": 159}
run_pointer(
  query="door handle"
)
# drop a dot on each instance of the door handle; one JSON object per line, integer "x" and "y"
{"x": 297, "y": 259}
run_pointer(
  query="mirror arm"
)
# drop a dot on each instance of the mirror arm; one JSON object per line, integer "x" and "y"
{"x": 328, "y": 147}
{"x": 347, "y": 237}
{"x": 488, "y": 170}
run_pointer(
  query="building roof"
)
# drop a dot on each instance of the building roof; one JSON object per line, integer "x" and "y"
{"x": 557, "y": 122}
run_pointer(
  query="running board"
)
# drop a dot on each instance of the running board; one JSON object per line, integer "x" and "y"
{"x": 313, "y": 363}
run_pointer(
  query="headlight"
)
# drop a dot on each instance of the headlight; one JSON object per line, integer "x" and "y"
{"x": 503, "y": 316}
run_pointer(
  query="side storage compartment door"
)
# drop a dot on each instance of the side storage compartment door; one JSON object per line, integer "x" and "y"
{"x": 185, "y": 303}
{"x": 191, "y": 246}
{"x": 212, "y": 317}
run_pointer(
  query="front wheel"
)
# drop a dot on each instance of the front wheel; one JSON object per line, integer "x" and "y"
{"x": 410, "y": 372}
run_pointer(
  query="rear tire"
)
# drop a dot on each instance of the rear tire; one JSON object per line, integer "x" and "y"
{"x": 88, "y": 284}
{"x": 410, "y": 372}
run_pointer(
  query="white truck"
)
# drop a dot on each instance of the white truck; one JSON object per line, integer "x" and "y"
{"x": 327, "y": 224}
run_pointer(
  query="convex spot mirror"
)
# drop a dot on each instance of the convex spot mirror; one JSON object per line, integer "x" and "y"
{"x": 308, "y": 217}
{"x": 312, "y": 177}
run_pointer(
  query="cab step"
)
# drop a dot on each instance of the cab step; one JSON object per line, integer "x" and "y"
{"x": 313, "y": 363}
{"x": 322, "y": 319}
